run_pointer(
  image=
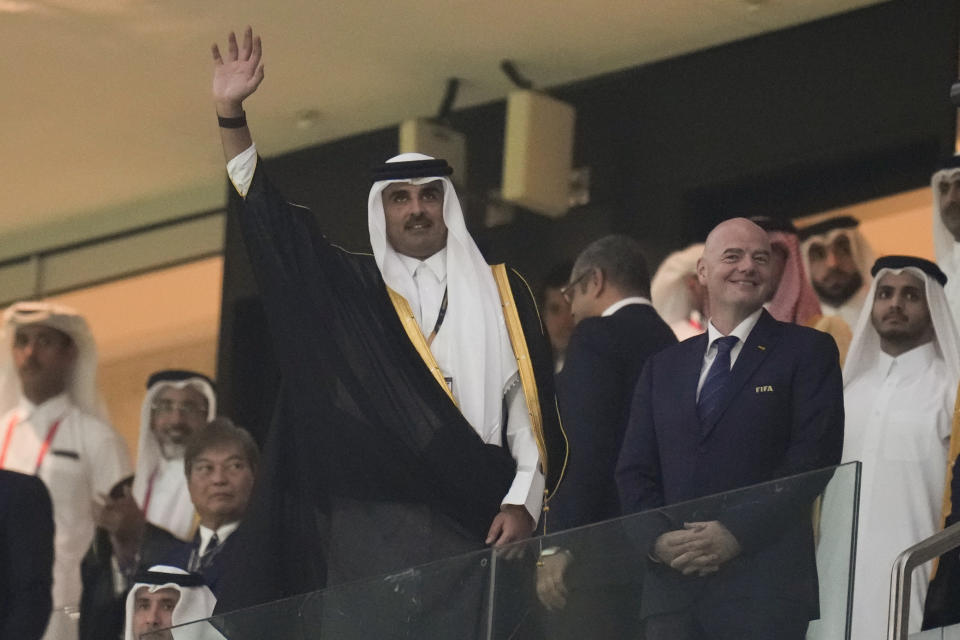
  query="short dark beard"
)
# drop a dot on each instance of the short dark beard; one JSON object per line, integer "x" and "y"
{"x": 838, "y": 299}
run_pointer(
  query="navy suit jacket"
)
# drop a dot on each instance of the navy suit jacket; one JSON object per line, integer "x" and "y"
{"x": 26, "y": 556}
{"x": 782, "y": 414}
{"x": 603, "y": 363}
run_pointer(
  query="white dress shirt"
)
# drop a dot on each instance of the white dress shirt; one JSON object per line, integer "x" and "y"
{"x": 223, "y": 532}
{"x": 620, "y": 304}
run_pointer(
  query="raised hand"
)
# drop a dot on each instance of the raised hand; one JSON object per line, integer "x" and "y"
{"x": 237, "y": 74}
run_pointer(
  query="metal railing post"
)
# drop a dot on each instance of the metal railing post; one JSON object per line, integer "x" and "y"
{"x": 901, "y": 576}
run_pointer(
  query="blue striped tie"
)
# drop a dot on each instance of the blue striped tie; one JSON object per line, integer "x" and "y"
{"x": 711, "y": 394}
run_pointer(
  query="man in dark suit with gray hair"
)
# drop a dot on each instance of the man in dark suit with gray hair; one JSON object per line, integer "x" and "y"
{"x": 617, "y": 330}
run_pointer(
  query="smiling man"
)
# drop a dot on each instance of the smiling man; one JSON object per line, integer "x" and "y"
{"x": 752, "y": 400}
{"x": 900, "y": 383}
{"x": 418, "y": 390}
{"x": 177, "y": 405}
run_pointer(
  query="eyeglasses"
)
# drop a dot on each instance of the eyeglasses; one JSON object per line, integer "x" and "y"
{"x": 567, "y": 291}
{"x": 187, "y": 408}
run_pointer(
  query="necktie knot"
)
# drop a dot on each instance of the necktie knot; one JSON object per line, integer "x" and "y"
{"x": 726, "y": 344}
{"x": 214, "y": 542}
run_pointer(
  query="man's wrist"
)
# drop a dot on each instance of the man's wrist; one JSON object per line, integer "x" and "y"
{"x": 229, "y": 109}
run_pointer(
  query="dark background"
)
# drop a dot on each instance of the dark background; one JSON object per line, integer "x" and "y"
{"x": 794, "y": 122}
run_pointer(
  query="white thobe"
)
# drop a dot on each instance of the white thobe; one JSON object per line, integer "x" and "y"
{"x": 898, "y": 419}
{"x": 170, "y": 506}
{"x": 85, "y": 459}
{"x": 528, "y": 483}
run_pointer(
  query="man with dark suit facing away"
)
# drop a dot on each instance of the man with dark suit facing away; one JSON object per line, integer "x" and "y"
{"x": 617, "y": 330}
{"x": 750, "y": 401}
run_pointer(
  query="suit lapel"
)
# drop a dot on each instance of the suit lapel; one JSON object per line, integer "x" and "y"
{"x": 759, "y": 343}
{"x": 691, "y": 361}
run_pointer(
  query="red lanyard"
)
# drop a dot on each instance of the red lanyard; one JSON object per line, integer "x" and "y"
{"x": 44, "y": 447}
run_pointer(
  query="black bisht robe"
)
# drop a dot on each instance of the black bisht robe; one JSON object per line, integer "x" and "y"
{"x": 359, "y": 416}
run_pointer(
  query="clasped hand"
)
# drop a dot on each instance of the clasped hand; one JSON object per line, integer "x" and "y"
{"x": 700, "y": 548}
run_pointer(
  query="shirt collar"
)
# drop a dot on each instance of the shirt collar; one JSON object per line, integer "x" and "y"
{"x": 742, "y": 330}
{"x": 46, "y": 411}
{"x": 910, "y": 364}
{"x": 620, "y": 304}
{"x": 437, "y": 263}
{"x": 222, "y": 533}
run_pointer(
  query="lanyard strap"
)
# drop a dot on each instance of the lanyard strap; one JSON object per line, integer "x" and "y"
{"x": 440, "y": 317}
{"x": 6, "y": 440}
{"x": 44, "y": 447}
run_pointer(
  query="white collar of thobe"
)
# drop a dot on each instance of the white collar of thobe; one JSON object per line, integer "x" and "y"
{"x": 907, "y": 365}
{"x": 437, "y": 263}
{"x": 223, "y": 532}
{"x": 44, "y": 413}
{"x": 620, "y": 304}
{"x": 742, "y": 330}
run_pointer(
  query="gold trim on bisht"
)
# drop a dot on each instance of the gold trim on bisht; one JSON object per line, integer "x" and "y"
{"x": 522, "y": 354}
{"x": 951, "y": 461}
{"x": 410, "y": 325}
{"x": 517, "y": 341}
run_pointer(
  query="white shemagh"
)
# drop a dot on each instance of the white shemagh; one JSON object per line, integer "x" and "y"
{"x": 668, "y": 290}
{"x": 482, "y": 363}
{"x": 863, "y": 257}
{"x": 945, "y": 247}
{"x": 195, "y": 603}
{"x": 865, "y": 346}
{"x": 82, "y": 385}
{"x": 170, "y": 506}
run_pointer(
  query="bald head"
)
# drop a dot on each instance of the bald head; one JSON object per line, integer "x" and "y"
{"x": 735, "y": 269}
{"x": 736, "y": 228}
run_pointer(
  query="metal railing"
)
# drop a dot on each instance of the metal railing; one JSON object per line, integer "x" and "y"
{"x": 924, "y": 551}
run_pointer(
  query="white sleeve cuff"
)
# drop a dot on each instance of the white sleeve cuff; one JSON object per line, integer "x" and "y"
{"x": 528, "y": 483}
{"x": 240, "y": 169}
{"x": 527, "y": 490}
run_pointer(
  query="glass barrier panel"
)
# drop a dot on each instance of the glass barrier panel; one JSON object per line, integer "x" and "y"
{"x": 601, "y": 581}
{"x": 796, "y": 545}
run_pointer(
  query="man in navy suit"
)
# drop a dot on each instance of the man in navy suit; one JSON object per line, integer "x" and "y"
{"x": 617, "y": 330}
{"x": 751, "y": 401}
{"x": 26, "y": 556}
{"x": 221, "y": 463}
